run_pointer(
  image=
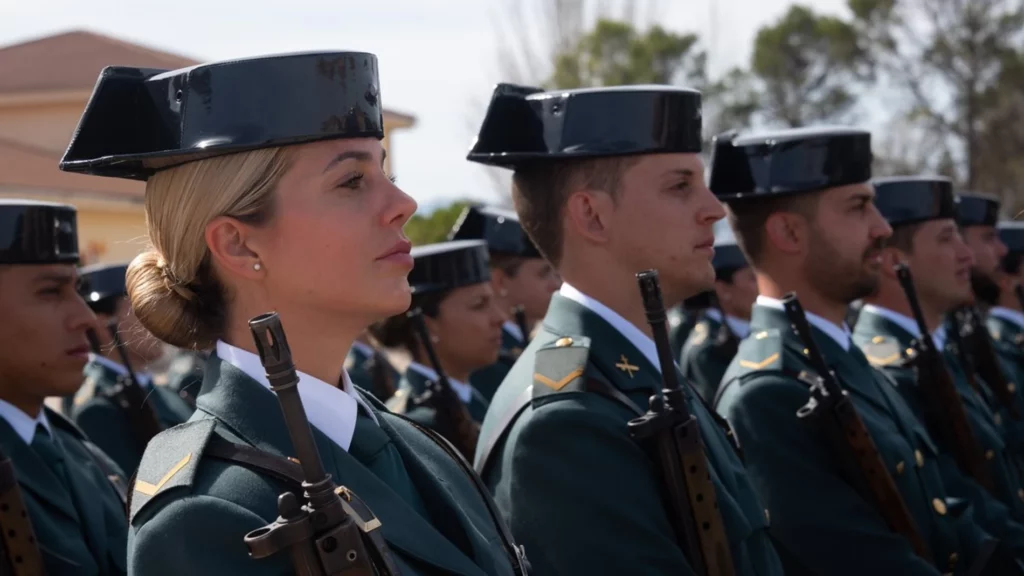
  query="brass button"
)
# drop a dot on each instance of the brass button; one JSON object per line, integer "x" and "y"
{"x": 563, "y": 342}
{"x": 878, "y": 339}
{"x": 952, "y": 560}
{"x": 990, "y": 454}
{"x": 900, "y": 466}
{"x": 940, "y": 506}
{"x": 1011, "y": 387}
{"x": 998, "y": 419}
{"x": 1020, "y": 493}
{"x": 807, "y": 352}
{"x": 919, "y": 458}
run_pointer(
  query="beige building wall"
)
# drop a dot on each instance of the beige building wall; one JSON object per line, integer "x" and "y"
{"x": 47, "y": 125}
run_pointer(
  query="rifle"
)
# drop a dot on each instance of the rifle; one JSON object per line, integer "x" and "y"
{"x": 832, "y": 411}
{"x": 980, "y": 349}
{"x": 672, "y": 434}
{"x": 20, "y": 553}
{"x": 129, "y": 395}
{"x": 519, "y": 312}
{"x": 725, "y": 341}
{"x": 452, "y": 418}
{"x": 328, "y": 535}
{"x": 944, "y": 409}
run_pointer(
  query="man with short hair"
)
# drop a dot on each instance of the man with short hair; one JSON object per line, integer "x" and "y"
{"x": 522, "y": 281}
{"x": 608, "y": 182}
{"x": 103, "y": 407}
{"x": 922, "y": 213}
{"x": 1006, "y": 317}
{"x": 801, "y": 206}
{"x": 713, "y": 342}
{"x": 74, "y": 493}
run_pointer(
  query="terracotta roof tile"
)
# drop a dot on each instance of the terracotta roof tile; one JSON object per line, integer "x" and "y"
{"x": 73, "y": 60}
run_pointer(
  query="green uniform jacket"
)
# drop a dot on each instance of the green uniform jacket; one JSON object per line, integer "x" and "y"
{"x": 1008, "y": 339}
{"x": 820, "y": 523}
{"x": 680, "y": 324}
{"x": 579, "y": 493}
{"x": 360, "y": 367}
{"x": 196, "y": 509}
{"x": 79, "y": 524}
{"x": 885, "y": 343}
{"x": 704, "y": 360}
{"x": 185, "y": 375}
{"x": 109, "y": 426}
{"x": 487, "y": 379}
{"x": 414, "y": 383}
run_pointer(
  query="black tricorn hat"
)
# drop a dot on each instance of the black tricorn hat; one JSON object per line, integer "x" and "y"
{"x": 449, "y": 265}
{"x": 498, "y": 227}
{"x": 37, "y": 233}
{"x": 525, "y": 124}
{"x": 728, "y": 256}
{"x": 977, "y": 210}
{"x": 142, "y": 120}
{"x": 912, "y": 199}
{"x": 102, "y": 283}
{"x": 791, "y": 161}
{"x": 1012, "y": 234}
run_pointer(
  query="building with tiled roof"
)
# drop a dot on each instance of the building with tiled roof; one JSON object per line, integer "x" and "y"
{"x": 44, "y": 86}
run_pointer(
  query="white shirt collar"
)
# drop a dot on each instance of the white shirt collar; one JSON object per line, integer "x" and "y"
{"x": 739, "y": 327}
{"x": 145, "y": 379}
{"x": 363, "y": 348}
{"x": 841, "y": 334}
{"x": 642, "y": 341}
{"x": 331, "y": 409}
{"x": 513, "y": 329}
{"x": 23, "y": 424}
{"x": 462, "y": 390}
{"x": 1009, "y": 315}
{"x": 939, "y": 338}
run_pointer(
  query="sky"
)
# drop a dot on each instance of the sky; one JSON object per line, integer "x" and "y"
{"x": 438, "y": 58}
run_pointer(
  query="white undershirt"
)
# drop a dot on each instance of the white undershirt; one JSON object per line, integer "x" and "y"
{"x": 331, "y": 409}
{"x": 841, "y": 334}
{"x": 23, "y": 424}
{"x": 739, "y": 327}
{"x": 1009, "y": 315}
{"x": 513, "y": 329}
{"x": 462, "y": 390}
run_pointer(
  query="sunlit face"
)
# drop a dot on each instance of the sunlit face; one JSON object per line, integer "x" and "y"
{"x": 531, "y": 286}
{"x": 941, "y": 265}
{"x": 467, "y": 328}
{"x": 336, "y": 241}
{"x": 130, "y": 332}
{"x": 737, "y": 296}
{"x": 43, "y": 347}
{"x": 986, "y": 247}
{"x": 844, "y": 255}
{"x": 663, "y": 219}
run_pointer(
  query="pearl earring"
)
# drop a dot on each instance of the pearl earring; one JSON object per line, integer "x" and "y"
{"x": 256, "y": 266}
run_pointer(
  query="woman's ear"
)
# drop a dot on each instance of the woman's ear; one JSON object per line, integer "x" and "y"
{"x": 227, "y": 239}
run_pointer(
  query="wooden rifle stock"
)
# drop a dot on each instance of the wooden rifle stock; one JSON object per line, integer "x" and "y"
{"x": 979, "y": 347}
{"x": 322, "y": 536}
{"x": 452, "y": 418}
{"x": 672, "y": 434}
{"x": 21, "y": 555}
{"x": 832, "y": 411}
{"x": 945, "y": 413}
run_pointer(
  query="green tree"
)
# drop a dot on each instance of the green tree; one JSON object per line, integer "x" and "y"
{"x": 807, "y": 67}
{"x": 435, "y": 226}
{"x": 955, "y": 63}
{"x": 615, "y": 52}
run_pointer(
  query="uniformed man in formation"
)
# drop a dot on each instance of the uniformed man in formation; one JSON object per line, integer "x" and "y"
{"x": 725, "y": 320}
{"x": 521, "y": 279}
{"x": 73, "y": 492}
{"x": 809, "y": 226}
{"x": 980, "y": 466}
{"x": 604, "y": 196}
{"x": 775, "y": 441}
{"x": 118, "y": 406}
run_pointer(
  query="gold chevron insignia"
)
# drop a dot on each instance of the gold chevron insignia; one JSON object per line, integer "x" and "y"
{"x": 761, "y": 364}
{"x": 876, "y": 361}
{"x": 561, "y": 383}
{"x": 151, "y": 489}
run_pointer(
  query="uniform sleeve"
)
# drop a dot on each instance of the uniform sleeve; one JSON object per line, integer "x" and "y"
{"x": 108, "y": 427}
{"x": 584, "y": 496}
{"x": 199, "y": 536}
{"x": 813, "y": 509}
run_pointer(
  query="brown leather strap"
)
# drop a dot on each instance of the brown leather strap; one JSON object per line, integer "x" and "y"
{"x": 20, "y": 549}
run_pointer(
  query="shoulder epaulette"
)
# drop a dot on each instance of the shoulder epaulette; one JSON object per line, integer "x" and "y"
{"x": 170, "y": 463}
{"x": 560, "y": 366}
{"x": 699, "y": 334}
{"x": 887, "y": 352}
{"x": 764, "y": 350}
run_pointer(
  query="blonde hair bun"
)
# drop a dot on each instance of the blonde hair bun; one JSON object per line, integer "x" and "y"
{"x": 167, "y": 307}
